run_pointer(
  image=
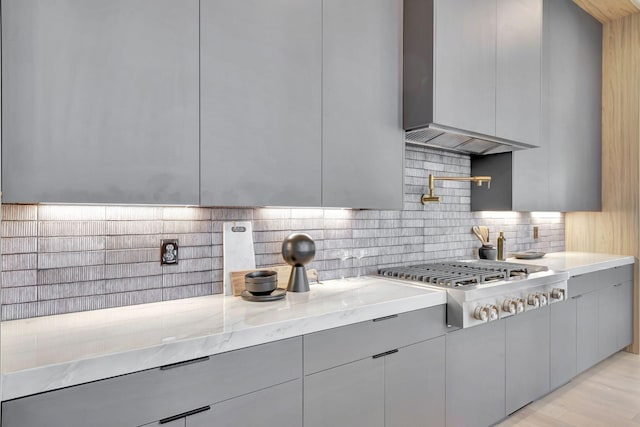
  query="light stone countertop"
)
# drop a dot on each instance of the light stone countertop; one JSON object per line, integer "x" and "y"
{"x": 576, "y": 263}
{"x": 48, "y": 353}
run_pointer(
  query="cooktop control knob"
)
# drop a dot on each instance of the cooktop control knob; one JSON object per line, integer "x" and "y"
{"x": 558, "y": 294}
{"x": 494, "y": 313}
{"x": 520, "y": 305}
{"x": 481, "y": 313}
{"x": 543, "y": 297}
{"x": 533, "y": 300}
{"x": 509, "y": 306}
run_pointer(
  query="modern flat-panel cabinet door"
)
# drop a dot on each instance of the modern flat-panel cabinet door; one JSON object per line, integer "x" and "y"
{"x": 607, "y": 321}
{"x": 518, "y": 98}
{"x": 181, "y": 422}
{"x": 465, "y": 65}
{"x": 475, "y": 374}
{"x": 415, "y": 385}
{"x": 348, "y": 395}
{"x": 100, "y": 101}
{"x": 587, "y": 331}
{"x": 518, "y": 71}
{"x": 527, "y": 367}
{"x": 363, "y": 149}
{"x": 573, "y": 110}
{"x": 624, "y": 327}
{"x": 261, "y": 102}
{"x": 280, "y": 406}
{"x": 562, "y": 342}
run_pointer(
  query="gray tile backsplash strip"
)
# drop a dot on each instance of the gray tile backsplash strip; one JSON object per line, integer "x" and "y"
{"x": 59, "y": 259}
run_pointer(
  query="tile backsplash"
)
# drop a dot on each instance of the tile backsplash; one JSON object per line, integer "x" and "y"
{"x": 58, "y": 259}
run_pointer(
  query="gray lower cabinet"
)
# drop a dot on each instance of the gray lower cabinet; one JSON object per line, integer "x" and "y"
{"x": 562, "y": 343}
{"x": 607, "y": 322}
{"x": 624, "y": 312}
{"x": 279, "y": 406}
{"x": 261, "y": 114}
{"x": 475, "y": 375}
{"x": 587, "y": 331}
{"x": 604, "y": 313}
{"x": 404, "y": 388}
{"x": 384, "y": 372}
{"x": 362, "y": 137}
{"x": 157, "y": 394}
{"x": 100, "y": 101}
{"x": 527, "y": 358}
{"x": 347, "y": 395}
{"x": 181, "y": 422}
{"x": 415, "y": 385}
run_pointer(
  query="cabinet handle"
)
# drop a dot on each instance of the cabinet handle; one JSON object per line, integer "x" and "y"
{"x": 184, "y": 415}
{"x": 386, "y": 353}
{"x": 576, "y": 297}
{"x": 188, "y": 362}
{"x": 618, "y": 285}
{"x": 380, "y": 319}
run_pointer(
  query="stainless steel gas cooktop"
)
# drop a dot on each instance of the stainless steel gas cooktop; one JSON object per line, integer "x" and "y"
{"x": 481, "y": 291}
{"x": 462, "y": 273}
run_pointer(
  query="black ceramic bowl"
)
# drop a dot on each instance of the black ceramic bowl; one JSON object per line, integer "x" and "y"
{"x": 488, "y": 252}
{"x": 261, "y": 282}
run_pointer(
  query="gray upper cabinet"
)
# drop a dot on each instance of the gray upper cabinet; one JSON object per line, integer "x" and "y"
{"x": 362, "y": 150}
{"x": 487, "y": 57}
{"x": 564, "y": 173}
{"x": 518, "y": 71}
{"x": 100, "y": 101}
{"x": 465, "y": 65}
{"x": 261, "y": 102}
{"x": 573, "y": 106}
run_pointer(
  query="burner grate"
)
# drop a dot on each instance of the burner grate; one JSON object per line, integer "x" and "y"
{"x": 459, "y": 273}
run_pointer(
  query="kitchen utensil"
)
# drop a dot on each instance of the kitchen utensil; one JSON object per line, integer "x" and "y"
{"x": 528, "y": 255}
{"x": 261, "y": 282}
{"x": 476, "y": 230}
{"x": 274, "y": 296}
{"x": 487, "y": 251}
{"x": 237, "y": 239}
{"x": 298, "y": 249}
{"x": 484, "y": 232}
{"x": 283, "y": 273}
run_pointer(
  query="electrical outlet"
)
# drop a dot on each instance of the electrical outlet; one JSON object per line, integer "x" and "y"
{"x": 169, "y": 251}
{"x": 535, "y": 231}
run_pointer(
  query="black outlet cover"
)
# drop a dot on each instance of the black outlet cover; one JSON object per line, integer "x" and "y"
{"x": 169, "y": 251}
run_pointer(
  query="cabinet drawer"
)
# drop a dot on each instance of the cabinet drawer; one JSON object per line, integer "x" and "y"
{"x": 142, "y": 397}
{"x": 586, "y": 283}
{"x": 333, "y": 347}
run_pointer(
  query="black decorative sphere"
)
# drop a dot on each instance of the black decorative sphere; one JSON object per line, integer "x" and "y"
{"x": 298, "y": 249}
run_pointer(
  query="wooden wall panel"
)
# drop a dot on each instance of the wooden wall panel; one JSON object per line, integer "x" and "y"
{"x": 608, "y": 10}
{"x": 616, "y": 229}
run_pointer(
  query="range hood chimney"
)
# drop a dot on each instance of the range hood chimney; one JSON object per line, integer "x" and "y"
{"x": 418, "y": 92}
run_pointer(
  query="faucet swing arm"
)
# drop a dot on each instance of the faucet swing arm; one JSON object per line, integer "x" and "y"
{"x": 431, "y": 197}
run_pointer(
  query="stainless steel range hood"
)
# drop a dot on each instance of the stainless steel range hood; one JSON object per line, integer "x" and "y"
{"x": 459, "y": 141}
{"x": 418, "y": 92}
